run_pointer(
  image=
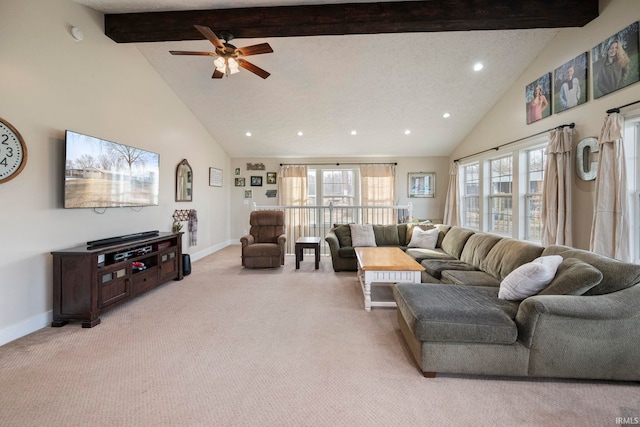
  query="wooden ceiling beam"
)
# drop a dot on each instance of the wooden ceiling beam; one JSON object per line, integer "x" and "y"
{"x": 352, "y": 18}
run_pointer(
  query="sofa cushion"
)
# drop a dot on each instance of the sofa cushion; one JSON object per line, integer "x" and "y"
{"x": 469, "y": 278}
{"x": 616, "y": 275}
{"x": 574, "y": 277}
{"x": 435, "y": 267}
{"x": 455, "y": 239}
{"x": 386, "y": 235}
{"x": 426, "y": 239}
{"x": 529, "y": 278}
{"x": 507, "y": 255}
{"x": 362, "y": 235}
{"x": 444, "y": 313}
{"x": 477, "y": 248}
{"x": 343, "y": 233}
{"x": 420, "y": 254}
{"x": 347, "y": 252}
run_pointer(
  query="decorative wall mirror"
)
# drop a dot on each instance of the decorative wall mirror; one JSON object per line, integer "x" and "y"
{"x": 184, "y": 182}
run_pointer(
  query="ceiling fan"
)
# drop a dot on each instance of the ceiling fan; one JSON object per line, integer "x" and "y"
{"x": 229, "y": 57}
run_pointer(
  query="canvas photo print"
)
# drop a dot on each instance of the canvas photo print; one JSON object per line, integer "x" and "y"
{"x": 538, "y": 99}
{"x": 570, "y": 86}
{"x": 615, "y": 62}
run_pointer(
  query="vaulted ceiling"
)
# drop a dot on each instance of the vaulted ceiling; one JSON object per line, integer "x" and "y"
{"x": 379, "y": 69}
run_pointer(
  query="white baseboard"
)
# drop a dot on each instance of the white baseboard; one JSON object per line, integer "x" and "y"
{"x": 201, "y": 254}
{"x": 25, "y": 327}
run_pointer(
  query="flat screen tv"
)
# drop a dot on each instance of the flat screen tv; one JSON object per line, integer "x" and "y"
{"x": 104, "y": 174}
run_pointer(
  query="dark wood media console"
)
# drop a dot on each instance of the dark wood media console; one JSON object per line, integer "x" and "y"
{"x": 89, "y": 280}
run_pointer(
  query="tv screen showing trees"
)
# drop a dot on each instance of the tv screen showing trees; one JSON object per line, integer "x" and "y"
{"x": 105, "y": 174}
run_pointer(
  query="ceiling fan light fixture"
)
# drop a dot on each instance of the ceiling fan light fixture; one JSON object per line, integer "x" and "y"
{"x": 233, "y": 66}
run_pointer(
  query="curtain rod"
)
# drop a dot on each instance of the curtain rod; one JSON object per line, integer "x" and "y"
{"x": 617, "y": 109}
{"x": 571, "y": 125}
{"x": 336, "y": 164}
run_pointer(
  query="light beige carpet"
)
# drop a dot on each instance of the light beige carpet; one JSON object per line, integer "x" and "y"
{"x": 229, "y": 346}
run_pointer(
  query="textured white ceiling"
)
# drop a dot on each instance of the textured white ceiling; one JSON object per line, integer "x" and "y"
{"x": 326, "y": 86}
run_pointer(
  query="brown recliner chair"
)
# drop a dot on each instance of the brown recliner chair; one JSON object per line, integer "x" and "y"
{"x": 264, "y": 246}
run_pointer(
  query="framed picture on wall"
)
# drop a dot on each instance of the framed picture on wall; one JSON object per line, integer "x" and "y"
{"x": 615, "y": 62}
{"x": 272, "y": 178}
{"x": 215, "y": 177}
{"x": 421, "y": 184}
{"x": 248, "y": 194}
{"x": 240, "y": 182}
{"x": 256, "y": 181}
{"x": 570, "y": 86}
{"x": 538, "y": 99}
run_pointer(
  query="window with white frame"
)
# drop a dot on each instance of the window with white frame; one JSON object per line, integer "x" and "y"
{"x": 471, "y": 196}
{"x": 500, "y": 195}
{"x": 536, "y": 159}
{"x": 338, "y": 186}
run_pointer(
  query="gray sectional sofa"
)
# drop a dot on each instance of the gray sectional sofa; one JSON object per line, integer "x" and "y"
{"x": 584, "y": 324}
{"x": 343, "y": 256}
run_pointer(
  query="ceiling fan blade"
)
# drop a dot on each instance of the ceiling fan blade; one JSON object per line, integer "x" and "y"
{"x": 253, "y": 68}
{"x": 210, "y": 35}
{"x": 217, "y": 74}
{"x": 256, "y": 49}
{"x": 186, "y": 52}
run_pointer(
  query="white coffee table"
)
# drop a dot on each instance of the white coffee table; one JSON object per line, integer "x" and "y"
{"x": 384, "y": 265}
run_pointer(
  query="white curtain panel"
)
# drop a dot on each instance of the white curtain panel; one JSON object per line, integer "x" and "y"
{"x": 556, "y": 192}
{"x": 292, "y": 191}
{"x": 610, "y": 227}
{"x": 292, "y": 185}
{"x": 452, "y": 204}
{"x": 378, "y": 184}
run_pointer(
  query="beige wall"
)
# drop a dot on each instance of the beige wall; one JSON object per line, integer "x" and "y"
{"x": 506, "y": 121}
{"x": 49, "y": 83}
{"x": 423, "y": 208}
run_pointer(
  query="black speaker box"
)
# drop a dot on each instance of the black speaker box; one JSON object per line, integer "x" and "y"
{"x": 186, "y": 264}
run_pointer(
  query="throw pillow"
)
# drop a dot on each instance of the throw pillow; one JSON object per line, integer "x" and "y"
{"x": 362, "y": 235}
{"x": 343, "y": 233}
{"x": 574, "y": 277}
{"x": 529, "y": 278}
{"x": 422, "y": 225}
{"x": 425, "y": 239}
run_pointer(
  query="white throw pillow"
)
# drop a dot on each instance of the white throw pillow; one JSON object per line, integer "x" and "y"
{"x": 362, "y": 235}
{"x": 530, "y": 278}
{"x": 425, "y": 239}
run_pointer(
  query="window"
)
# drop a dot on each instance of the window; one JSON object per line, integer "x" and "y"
{"x": 500, "y": 195}
{"x": 503, "y": 195}
{"x": 471, "y": 196}
{"x": 536, "y": 160}
{"x": 336, "y": 186}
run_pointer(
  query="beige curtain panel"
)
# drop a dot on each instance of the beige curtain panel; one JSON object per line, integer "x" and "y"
{"x": 452, "y": 204}
{"x": 292, "y": 191}
{"x": 378, "y": 185}
{"x": 610, "y": 227}
{"x": 556, "y": 192}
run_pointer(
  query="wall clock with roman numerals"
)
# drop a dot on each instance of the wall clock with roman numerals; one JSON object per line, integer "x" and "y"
{"x": 13, "y": 152}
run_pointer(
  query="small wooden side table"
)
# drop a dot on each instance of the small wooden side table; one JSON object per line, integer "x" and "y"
{"x": 303, "y": 243}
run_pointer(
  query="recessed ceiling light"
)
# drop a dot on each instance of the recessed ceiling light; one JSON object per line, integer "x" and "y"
{"x": 407, "y": 132}
{"x": 446, "y": 115}
{"x": 248, "y": 133}
{"x": 300, "y": 133}
{"x": 353, "y": 132}
{"x": 478, "y": 66}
